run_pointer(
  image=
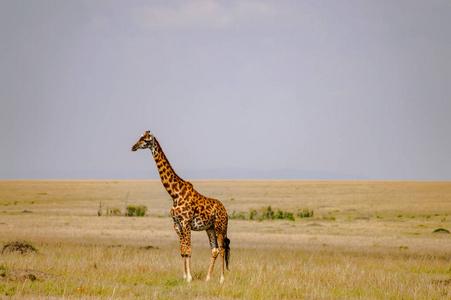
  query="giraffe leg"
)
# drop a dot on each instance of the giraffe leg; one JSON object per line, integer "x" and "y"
{"x": 222, "y": 253}
{"x": 183, "y": 249}
{"x": 222, "y": 240}
{"x": 184, "y": 267}
{"x": 214, "y": 250}
{"x": 214, "y": 254}
{"x": 186, "y": 253}
{"x": 188, "y": 269}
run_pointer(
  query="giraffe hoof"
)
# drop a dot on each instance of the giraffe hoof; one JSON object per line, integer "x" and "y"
{"x": 208, "y": 278}
{"x": 222, "y": 280}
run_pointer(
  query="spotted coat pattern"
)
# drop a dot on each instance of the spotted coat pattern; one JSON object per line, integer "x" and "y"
{"x": 190, "y": 210}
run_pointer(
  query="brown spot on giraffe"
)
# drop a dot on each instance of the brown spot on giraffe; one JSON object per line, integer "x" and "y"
{"x": 190, "y": 211}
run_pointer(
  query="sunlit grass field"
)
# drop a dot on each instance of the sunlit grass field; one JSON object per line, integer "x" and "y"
{"x": 368, "y": 240}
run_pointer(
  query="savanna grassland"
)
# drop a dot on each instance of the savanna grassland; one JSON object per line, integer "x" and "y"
{"x": 369, "y": 240}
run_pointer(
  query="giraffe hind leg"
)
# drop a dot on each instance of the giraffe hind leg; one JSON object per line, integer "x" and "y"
{"x": 223, "y": 242}
{"x": 225, "y": 256}
{"x": 214, "y": 251}
{"x": 222, "y": 252}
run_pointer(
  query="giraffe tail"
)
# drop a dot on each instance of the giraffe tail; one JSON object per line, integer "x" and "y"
{"x": 227, "y": 251}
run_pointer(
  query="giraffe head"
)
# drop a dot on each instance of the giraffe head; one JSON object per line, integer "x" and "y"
{"x": 147, "y": 140}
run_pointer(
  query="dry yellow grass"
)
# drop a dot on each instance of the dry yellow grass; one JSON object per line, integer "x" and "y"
{"x": 366, "y": 240}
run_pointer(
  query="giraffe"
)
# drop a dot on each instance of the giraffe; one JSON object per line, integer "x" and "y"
{"x": 191, "y": 211}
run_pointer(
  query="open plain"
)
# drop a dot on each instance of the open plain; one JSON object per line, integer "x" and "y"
{"x": 365, "y": 240}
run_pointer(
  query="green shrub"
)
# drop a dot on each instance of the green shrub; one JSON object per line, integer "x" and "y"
{"x": 253, "y": 214}
{"x": 114, "y": 211}
{"x": 136, "y": 211}
{"x": 267, "y": 213}
{"x": 237, "y": 216}
{"x": 288, "y": 216}
{"x": 304, "y": 213}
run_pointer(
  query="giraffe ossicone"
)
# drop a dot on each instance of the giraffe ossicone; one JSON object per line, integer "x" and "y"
{"x": 190, "y": 211}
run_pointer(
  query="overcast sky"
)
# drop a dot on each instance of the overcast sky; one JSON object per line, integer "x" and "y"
{"x": 231, "y": 89}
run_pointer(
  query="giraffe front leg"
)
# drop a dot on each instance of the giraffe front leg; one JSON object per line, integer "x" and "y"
{"x": 187, "y": 251}
{"x": 184, "y": 267}
{"x": 179, "y": 230}
{"x": 188, "y": 269}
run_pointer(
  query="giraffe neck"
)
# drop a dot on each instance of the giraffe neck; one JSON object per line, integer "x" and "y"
{"x": 173, "y": 184}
